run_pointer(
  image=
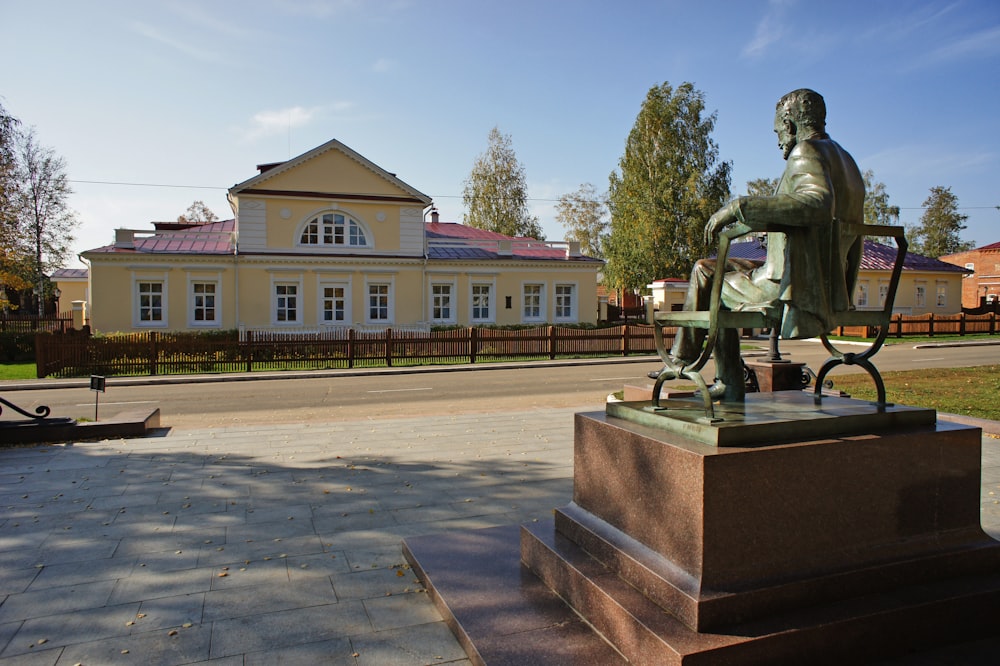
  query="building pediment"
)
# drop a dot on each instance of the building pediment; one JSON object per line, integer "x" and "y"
{"x": 329, "y": 171}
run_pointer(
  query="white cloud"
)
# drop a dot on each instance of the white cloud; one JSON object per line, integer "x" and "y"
{"x": 982, "y": 43}
{"x": 192, "y": 50}
{"x": 770, "y": 29}
{"x": 278, "y": 121}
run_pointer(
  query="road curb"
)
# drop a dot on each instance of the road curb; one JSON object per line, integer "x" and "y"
{"x": 46, "y": 384}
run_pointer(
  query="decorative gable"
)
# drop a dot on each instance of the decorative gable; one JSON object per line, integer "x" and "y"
{"x": 275, "y": 207}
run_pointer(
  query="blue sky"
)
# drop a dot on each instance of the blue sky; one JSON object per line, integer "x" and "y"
{"x": 193, "y": 95}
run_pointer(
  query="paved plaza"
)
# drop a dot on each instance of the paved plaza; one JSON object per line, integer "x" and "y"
{"x": 270, "y": 544}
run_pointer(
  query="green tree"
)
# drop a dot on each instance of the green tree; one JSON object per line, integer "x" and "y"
{"x": 940, "y": 225}
{"x": 197, "y": 213}
{"x": 877, "y": 207}
{"x": 15, "y": 264}
{"x": 585, "y": 216}
{"x": 670, "y": 183}
{"x": 43, "y": 209}
{"x": 496, "y": 193}
{"x": 762, "y": 187}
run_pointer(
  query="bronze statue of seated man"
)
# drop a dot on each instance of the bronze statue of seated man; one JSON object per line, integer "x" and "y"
{"x": 811, "y": 268}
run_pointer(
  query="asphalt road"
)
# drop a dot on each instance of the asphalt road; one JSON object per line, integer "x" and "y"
{"x": 326, "y": 398}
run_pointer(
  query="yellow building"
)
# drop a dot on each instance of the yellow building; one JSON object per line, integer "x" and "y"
{"x": 330, "y": 239}
{"x": 926, "y": 285}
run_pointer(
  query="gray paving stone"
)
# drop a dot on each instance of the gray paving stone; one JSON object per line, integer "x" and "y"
{"x": 400, "y": 610}
{"x": 144, "y": 585}
{"x": 52, "y": 601}
{"x": 335, "y": 652}
{"x": 267, "y": 597}
{"x": 269, "y": 631}
{"x": 409, "y": 646}
{"x": 37, "y": 657}
{"x": 155, "y": 647}
{"x": 71, "y": 628}
{"x": 166, "y": 612}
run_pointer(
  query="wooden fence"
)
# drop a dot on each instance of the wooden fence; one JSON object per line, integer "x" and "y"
{"x": 78, "y": 355}
{"x": 28, "y": 323}
{"x": 153, "y": 353}
{"x": 929, "y": 325}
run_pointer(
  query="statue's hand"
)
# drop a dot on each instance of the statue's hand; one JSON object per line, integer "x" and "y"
{"x": 719, "y": 221}
{"x": 716, "y": 224}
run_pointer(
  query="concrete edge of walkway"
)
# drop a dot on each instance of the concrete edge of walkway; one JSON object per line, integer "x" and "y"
{"x": 45, "y": 384}
{"x": 989, "y": 427}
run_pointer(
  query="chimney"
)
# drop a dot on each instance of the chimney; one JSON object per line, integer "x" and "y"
{"x": 125, "y": 238}
{"x": 434, "y": 215}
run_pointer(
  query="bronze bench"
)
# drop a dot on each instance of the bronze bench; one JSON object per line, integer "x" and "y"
{"x": 717, "y": 318}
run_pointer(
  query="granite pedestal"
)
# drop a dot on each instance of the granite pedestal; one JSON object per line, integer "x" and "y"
{"x": 860, "y": 544}
{"x": 778, "y": 375}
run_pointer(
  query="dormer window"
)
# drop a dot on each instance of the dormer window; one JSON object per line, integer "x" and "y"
{"x": 333, "y": 229}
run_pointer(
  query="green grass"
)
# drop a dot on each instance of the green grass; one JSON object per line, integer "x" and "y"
{"x": 965, "y": 391}
{"x": 17, "y": 371}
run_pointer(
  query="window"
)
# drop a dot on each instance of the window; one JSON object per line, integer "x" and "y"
{"x": 920, "y": 297}
{"x": 378, "y": 303}
{"x": 150, "y": 303}
{"x": 861, "y": 295}
{"x": 971, "y": 267}
{"x": 334, "y": 306}
{"x": 286, "y": 303}
{"x": 565, "y": 302}
{"x": 941, "y": 292}
{"x": 883, "y": 294}
{"x": 334, "y": 229}
{"x": 532, "y": 303}
{"x": 203, "y": 302}
{"x": 441, "y": 306}
{"x": 482, "y": 302}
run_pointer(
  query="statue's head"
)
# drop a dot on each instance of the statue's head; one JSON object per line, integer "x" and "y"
{"x": 801, "y": 112}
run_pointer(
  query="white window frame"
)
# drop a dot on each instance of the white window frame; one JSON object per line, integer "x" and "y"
{"x": 442, "y": 295}
{"x": 572, "y": 317}
{"x": 137, "y": 281}
{"x": 540, "y": 305}
{"x": 192, "y": 308}
{"x": 390, "y": 283}
{"x": 322, "y": 301}
{"x": 941, "y": 294}
{"x": 328, "y": 241}
{"x": 883, "y": 293}
{"x": 861, "y": 295}
{"x": 286, "y": 281}
{"x": 491, "y": 307}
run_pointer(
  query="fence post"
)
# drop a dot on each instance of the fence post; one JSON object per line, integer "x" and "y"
{"x": 39, "y": 357}
{"x": 961, "y": 323}
{"x": 154, "y": 352}
{"x": 552, "y": 343}
{"x": 473, "y": 344}
{"x": 388, "y": 347}
{"x": 930, "y": 325}
{"x": 993, "y": 323}
{"x": 899, "y": 325}
{"x": 350, "y": 347}
{"x": 248, "y": 350}
{"x": 625, "y": 340}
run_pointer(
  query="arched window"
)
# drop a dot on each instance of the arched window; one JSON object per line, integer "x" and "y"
{"x": 333, "y": 229}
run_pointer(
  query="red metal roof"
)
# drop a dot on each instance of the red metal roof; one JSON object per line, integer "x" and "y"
{"x": 876, "y": 257}
{"x": 211, "y": 238}
{"x": 444, "y": 241}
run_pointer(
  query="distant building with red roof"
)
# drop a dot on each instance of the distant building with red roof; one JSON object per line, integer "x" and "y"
{"x": 926, "y": 284}
{"x": 981, "y": 286}
{"x": 329, "y": 239}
